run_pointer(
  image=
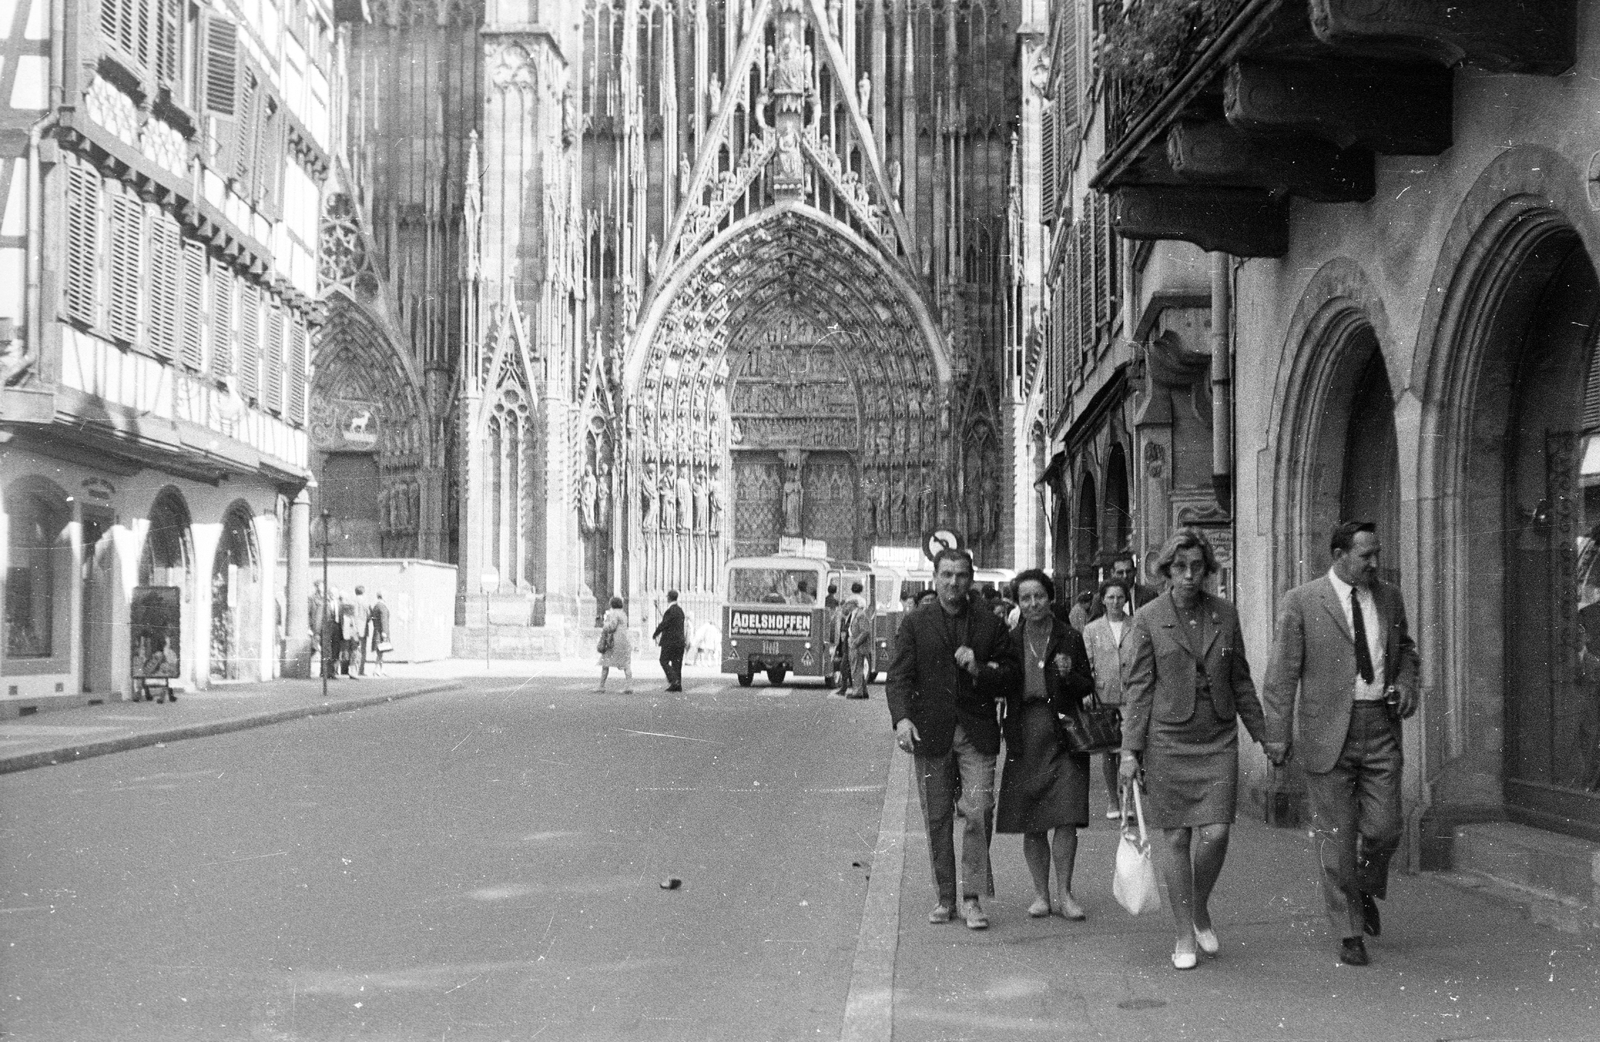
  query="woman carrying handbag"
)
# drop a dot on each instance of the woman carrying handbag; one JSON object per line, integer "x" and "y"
{"x": 1044, "y": 785}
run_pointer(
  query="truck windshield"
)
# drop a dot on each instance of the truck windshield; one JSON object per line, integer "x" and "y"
{"x": 772, "y": 586}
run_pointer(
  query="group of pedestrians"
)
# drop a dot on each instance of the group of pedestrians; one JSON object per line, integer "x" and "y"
{"x": 616, "y": 650}
{"x": 347, "y": 628}
{"x": 1342, "y": 676}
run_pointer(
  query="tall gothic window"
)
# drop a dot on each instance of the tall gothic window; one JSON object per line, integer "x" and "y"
{"x": 506, "y": 470}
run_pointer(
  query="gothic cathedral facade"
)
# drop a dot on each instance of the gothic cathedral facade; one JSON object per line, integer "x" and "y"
{"x": 619, "y": 289}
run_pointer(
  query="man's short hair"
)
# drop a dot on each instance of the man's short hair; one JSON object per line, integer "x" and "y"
{"x": 1344, "y": 535}
{"x": 953, "y": 553}
{"x": 672, "y": 595}
{"x": 1186, "y": 538}
{"x": 360, "y": 590}
{"x": 1123, "y": 555}
{"x": 855, "y": 587}
{"x": 833, "y": 587}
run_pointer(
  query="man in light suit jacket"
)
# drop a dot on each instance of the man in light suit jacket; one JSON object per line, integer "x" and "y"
{"x": 1343, "y": 645}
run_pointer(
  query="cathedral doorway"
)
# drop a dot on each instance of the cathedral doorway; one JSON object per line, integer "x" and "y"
{"x": 789, "y": 386}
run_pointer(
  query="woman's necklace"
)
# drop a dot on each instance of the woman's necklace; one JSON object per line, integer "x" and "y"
{"x": 1034, "y": 650}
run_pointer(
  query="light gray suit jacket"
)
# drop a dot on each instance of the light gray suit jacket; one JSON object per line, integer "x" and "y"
{"x": 1314, "y": 654}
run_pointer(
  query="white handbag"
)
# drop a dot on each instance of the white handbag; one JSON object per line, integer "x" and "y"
{"x": 1134, "y": 885}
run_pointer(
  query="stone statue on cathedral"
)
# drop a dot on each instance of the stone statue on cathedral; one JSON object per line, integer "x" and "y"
{"x": 588, "y": 490}
{"x": 669, "y": 502}
{"x": 685, "y": 498}
{"x": 648, "y": 498}
{"x": 864, "y": 92}
{"x": 793, "y": 495}
{"x": 602, "y": 499}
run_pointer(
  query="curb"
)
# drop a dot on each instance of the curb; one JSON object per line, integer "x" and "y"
{"x": 74, "y": 753}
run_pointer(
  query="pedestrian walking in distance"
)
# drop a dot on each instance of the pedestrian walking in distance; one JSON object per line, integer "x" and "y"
{"x": 669, "y": 634}
{"x": 619, "y": 655}
{"x": 1107, "y": 641}
{"x": 1186, "y": 687}
{"x": 380, "y": 631}
{"x": 952, "y": 661}
{"x": 1343, "y": 647}
{"x": 1043, "y": 786}
{"x": 857, "y": 635}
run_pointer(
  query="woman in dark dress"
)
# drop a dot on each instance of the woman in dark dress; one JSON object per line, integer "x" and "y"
{"x": 1186, "y": 689}
{"x": 1044, "y": 787}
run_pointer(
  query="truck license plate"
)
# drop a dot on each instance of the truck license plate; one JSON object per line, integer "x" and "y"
{"x": 769, "y": 647}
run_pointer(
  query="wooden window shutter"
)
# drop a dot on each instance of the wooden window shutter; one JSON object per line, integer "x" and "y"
{"x": 1069, "y": 88}
{"x": 127, "y": 267}
{"x": 192, "y": 296}
{"x": 165, "y": 285}
{"x": 221, "y": 321}
{"x": 273, "y": 357}
{"x": 299, "y": 341}
{"x": 245, "y": 140}
{"x": 83, "y": 242}
{"x": 1084, "y": 283}
{"x": 1047, "y": 161}
{"x": 219, "y": 60}
{"x": 250, "y": 341}
{"x": 1102, "y": 265}
{"x": 169, "y": 42}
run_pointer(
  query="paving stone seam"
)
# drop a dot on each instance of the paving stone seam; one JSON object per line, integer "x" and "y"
{"x": 869, "y": 1007}
{"x": 85, "y": 750}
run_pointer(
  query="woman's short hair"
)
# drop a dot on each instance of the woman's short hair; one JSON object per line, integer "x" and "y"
{"x": 616, "y": 602}
{"x": 1035, "y": 575}
{"x": 1186, "y": 538}
{"x": 1118, "y": 584}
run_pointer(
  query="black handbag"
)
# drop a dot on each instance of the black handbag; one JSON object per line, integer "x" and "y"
{"x": 1092, "y": 727}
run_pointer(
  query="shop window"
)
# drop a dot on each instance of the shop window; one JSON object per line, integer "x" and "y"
{"x": 36, "y": 576}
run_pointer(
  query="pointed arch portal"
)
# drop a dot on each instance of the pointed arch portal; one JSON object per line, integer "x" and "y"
{"x": 787, "y": 381}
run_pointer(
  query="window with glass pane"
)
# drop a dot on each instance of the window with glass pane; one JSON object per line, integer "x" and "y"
{"x": 36, "y": 552}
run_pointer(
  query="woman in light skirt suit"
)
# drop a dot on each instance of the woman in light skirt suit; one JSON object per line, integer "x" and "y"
{"x": 1106, "y": 639}
{"x": 1186, "y": 688}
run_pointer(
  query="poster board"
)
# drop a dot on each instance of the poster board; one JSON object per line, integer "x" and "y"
{"x": 156, "y": 618}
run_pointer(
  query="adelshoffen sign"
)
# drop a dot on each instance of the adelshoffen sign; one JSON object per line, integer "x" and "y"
{"x": 758, "y": 623}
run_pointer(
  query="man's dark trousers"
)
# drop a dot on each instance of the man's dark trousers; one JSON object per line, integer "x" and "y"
{"x": 672, "y": 664}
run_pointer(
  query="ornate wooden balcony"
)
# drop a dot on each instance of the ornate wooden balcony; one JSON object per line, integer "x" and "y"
{"x": 1219, "y": 111}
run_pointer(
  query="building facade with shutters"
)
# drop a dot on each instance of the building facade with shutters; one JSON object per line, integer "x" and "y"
{"x": 1117, "y": 382}
{"x": 163, "y": 171}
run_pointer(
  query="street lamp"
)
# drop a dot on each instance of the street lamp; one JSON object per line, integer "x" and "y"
{"x": 322, "y": 609}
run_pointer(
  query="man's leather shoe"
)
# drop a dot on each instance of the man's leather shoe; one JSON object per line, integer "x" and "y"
{"x": 1372, "y": 923}
{"x": 940, "y": 914}
{"x": 973, "y": 914}
{"x": 1353, "y": 952}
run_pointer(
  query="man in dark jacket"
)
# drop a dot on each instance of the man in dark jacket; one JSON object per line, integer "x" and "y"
{"x": 669, "y": 634}
{"x": 951, "y": 662}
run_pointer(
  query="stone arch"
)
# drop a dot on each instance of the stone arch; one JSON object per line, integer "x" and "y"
{"x": 368, "y": 428}
{"x": 236, "y": 577}
{"x": 786, "y": 333}
{"x": 1523, "y": 223}
{"x": 38, "y": 583}
{"x": 1339, "y": 326}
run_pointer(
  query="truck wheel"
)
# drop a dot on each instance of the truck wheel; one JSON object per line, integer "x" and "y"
{"x": 775, "y": 676}
{"x": 746, "y": 679}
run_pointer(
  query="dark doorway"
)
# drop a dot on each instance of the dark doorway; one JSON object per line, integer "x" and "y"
{"x": 1552, "y": 524}
{"x": 1371, "y": 486}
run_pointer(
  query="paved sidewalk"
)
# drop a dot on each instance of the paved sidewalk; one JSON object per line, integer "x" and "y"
{"x": 1451, "y": 964}
{"x": 65, "y": 735}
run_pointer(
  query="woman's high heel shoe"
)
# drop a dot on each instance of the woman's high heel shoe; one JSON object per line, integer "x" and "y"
{"x": 1184, "y": 960}
{"x": 1207, "y": 941}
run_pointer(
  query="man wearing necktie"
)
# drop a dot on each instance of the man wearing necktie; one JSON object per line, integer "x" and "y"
{"x": 1343, "y": 647}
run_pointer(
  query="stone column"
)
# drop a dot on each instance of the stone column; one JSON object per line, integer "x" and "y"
{"x": 297, "y": 642}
